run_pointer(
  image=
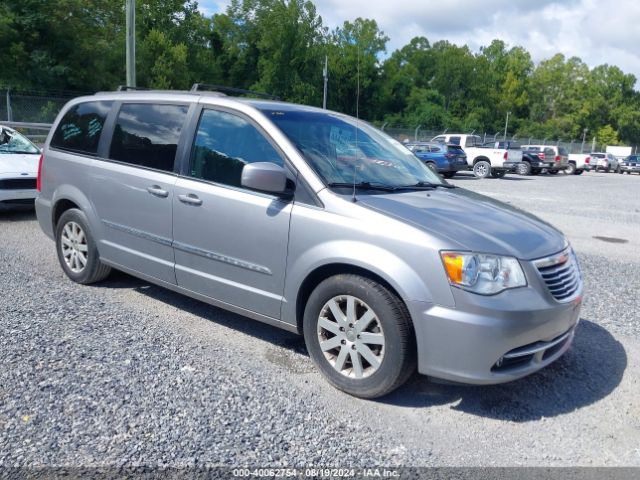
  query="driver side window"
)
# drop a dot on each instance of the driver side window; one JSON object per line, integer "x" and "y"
{"x": 224, "y": 144}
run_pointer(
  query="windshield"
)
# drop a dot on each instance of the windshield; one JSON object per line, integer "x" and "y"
{"x": 341, "y": 154}
{"x": 14, "y": 142}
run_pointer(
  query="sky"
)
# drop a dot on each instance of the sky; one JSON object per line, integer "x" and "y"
{"x": 597, "y": 31}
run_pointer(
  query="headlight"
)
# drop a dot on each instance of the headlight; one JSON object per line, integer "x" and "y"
{"x": 481, "y": 273}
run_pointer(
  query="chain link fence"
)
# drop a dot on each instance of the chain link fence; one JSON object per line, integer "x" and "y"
{"x": 416, "y": 134}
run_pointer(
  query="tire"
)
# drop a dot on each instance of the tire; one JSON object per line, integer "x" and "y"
{"x": 607, "y": 170}
{"x": 498, "y": 173}
{"x": 536, "y": 171}
{"x": 571, "y": 169}
{"x": 618, "y": 169}
{"x": 579, "y": 172}
{"x": 482, "y": 169}
{"x": 448, "y": 174}
{"x": 524, "y": 168}
{"x": 390, "y": 320}
{"x": 432, "y": 166}
{"x": 553, "y": 172}
{"x": 76, "y": 249}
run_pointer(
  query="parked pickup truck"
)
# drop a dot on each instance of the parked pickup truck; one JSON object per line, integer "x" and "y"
{"x": 556, "y": 157}
{"x": 579, "y": 162}
{"x": 483, "y": 160}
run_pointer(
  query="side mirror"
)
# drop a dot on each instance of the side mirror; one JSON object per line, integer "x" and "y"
{"x": 265, "y": 177}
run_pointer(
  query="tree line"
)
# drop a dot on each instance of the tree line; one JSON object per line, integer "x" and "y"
{"x": 279, "y": 46}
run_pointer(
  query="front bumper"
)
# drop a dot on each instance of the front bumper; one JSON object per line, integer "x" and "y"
{"x": 628, "y": 168}
{"x": 10, "y": 195}
{"x": 494, "y": 339}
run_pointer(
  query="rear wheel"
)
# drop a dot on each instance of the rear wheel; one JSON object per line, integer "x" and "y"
{"x": 360, "y": 336}
{"x": 571, "y": 169}
{"x": 579, "y": 172}
{"x": 482, "y": 169}
{"x": 448, "y": 174}
{"x": 553, "y": 172}
{"x": 524, "y": 168}
{"x": 77, "y": 250}
{"x": 618, "y": 169}
{"x": 432, "y": 167}
{"x": 498, "y": 173}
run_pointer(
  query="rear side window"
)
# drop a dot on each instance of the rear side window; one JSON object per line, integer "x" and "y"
{"x": 147, "y": 134}
{"x": 224, "y": 144}
{"x": 454, "y": 140}
{"x": 80, "y": 128}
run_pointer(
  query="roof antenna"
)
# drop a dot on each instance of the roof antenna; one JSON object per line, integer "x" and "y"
{"x": 355, "y": 162}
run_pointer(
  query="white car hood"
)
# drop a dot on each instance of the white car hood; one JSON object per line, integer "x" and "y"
{"x": 18, "y": 163}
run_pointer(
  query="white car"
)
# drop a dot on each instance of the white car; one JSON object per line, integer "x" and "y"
{"x": 604, "y": 161}
{"x": 18, "y": 169}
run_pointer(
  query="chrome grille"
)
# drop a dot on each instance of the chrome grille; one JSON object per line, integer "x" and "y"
{"x": 561, "y": 274}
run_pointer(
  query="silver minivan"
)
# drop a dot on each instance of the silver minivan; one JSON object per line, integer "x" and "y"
{"x": 311, "y": 221}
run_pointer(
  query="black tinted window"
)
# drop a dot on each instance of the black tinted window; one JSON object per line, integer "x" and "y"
{"x": 80, "y": 128}
{"x": 563, "y": 151}
{"x": 224, "y": 144}
{"x": 454, "y": 140}
{"x": 147, "y": 134}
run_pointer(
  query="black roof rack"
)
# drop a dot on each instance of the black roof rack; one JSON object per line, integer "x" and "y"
{"x": 230, "y": 90}
{"x": 124, "y": 88}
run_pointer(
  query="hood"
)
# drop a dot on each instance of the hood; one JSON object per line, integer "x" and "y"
{"x": 471, "y": 221}
{"x": 19, "y": 163}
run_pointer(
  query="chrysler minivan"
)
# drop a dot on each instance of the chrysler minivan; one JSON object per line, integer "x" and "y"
{"x": 312, "y": 221}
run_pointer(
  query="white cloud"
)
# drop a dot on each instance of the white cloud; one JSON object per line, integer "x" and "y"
{"x": 597, "y": 31}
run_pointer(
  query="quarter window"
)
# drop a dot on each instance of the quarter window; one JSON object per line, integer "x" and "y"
{"x": 80, "y": 128}
{"x": 147, "y": 134}
{"x": 224, "y": 144}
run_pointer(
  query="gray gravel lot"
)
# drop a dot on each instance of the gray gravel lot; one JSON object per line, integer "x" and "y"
{"x": 126, "y": 373}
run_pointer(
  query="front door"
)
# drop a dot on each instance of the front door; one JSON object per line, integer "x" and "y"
{"x": 230, "y": 243}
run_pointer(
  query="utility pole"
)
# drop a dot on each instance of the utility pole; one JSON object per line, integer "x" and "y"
{"x": 506, "y": 125}
{"x": 584, "y": 136}
{"x": 131, "y": 43}
{"x": 325, "y": 74}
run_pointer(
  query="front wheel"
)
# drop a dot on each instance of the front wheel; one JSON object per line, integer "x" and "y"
{"x": 360, "y": 336}
{"x": 571, "y": 169}
{"x": 579, "y": 172}
{"x": 77, "y": 250}
{"x": 482, "y": 169}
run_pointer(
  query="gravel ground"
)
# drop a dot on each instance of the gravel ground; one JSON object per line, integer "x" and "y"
{"x": 126, "y": 373}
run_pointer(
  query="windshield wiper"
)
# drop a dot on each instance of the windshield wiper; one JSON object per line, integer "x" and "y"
{"x": 18, "y": 152}
{"x": 429, "y": 185}
{"x": 364, "y": 186}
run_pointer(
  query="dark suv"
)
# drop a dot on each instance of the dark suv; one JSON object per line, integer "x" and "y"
{"x": 444, "y": 159}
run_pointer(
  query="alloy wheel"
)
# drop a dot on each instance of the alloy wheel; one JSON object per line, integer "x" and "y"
{"x": 351, "y": 336}
{"x": 74, "y": 247}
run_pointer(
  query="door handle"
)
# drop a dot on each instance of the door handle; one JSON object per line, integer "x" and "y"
{"x": 190, "y": 199}
{"x": 158, "y": 191}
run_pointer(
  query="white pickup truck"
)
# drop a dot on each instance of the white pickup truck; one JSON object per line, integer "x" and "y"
{"x": 483, "y": 160}
{"x": 580, "y": 162}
